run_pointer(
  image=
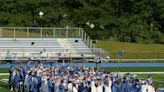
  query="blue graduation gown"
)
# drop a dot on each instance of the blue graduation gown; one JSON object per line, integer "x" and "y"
{"x": 124, "y": 87}
{"x": 11, "y": 75}
{"x": 82, "y": 88}
{"x": 34, "y": 85}
{"x": 50, "y": 86}
{"x": 17, "y": 80}
{"x": 61, "y": 88}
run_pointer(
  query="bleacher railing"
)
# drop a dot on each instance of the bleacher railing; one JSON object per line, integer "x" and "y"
{"x": 40, "y": 32}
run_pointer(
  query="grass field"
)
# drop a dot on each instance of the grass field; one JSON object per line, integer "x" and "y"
{"x": 114, "y": 46}
{"x": 132, "y": 50}
{"x": 4, "y": 70}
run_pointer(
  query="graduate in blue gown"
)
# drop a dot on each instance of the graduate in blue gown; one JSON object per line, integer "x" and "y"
{"x": 11, "y": 75}
{"x": 17, "y": 80}
{"x": 50, "y": 85}
{"x": 124, "y": 86}
{"x": 39, "y": 83}
{"x": 61, "y": 86}
{"x": 82, "y": 88}
{"x": 116, "y": 87}
{"x": 34, "y": 85}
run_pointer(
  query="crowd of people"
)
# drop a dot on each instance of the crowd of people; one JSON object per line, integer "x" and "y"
{"x": 74, "y": 79}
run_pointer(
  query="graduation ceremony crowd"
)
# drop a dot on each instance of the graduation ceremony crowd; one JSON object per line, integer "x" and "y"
{"x": 74, "y": 79}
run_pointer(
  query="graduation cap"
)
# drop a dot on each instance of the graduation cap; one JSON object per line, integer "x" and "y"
{"x": 76, "y": 41}
{"x": 32, "y": 43}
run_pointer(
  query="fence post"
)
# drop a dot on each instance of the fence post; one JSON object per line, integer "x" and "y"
{"x": 27, "y": 32}
{"x": 79, "y": 32}
{"x": 157, "y": 55}
{"x": 67, "y": 31}
{"x": 41, "y": 32}
{"x": 114, "y": 55}
{"x": 136, "y": 55}
{"x": 54, "y": 32}
{"x": 82, "y": 35}
{"x": 14, "y": 33}
{"x": 1, "y": 32}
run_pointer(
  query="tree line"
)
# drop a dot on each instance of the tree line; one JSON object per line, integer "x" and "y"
{"x": 139, "y": 21}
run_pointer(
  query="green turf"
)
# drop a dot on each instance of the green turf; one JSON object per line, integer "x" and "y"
{"x": 131, "y": 49}
{"x": 4, "y": 70}
{"x": 134, "y": 69}
{"x": 4, "y": 87}
{"x": 4, "y": 76}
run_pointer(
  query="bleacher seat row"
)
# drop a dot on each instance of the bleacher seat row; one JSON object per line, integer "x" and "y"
{"x": 50, "y": 47}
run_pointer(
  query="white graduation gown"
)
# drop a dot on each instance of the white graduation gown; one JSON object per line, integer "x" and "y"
{"x": 93, "y": 88}
{"x": 151, "y": 89}
{"x": 107, "y": 88}
{"x": 75, "y": 89}
{"x": 70, "y": 87}
{"x": 99, "y": 88}
{"x": 144, "y": 88}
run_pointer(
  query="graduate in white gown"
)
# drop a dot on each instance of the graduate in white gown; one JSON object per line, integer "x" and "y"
{"x": 107, "y": 86}
{"x": 75, "y": 88}
{"x": 93, "y": 88}
{"x": 70, "y": 87}
{"x": 144, "y": 88}
{"x": 99, "y": 87}
{"x": 151, "y": 88}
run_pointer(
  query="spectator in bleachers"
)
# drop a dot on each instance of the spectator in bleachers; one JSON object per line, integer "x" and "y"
{"x": 8, "y": 55}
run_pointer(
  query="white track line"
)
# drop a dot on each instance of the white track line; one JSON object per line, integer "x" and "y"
{"x": 4, "y": 74}
{"x": 3, "y": 81}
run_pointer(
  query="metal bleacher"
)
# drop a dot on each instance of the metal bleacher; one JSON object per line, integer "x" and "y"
{"x": 60, "y": 43}
{"x": 66, "y": 47}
